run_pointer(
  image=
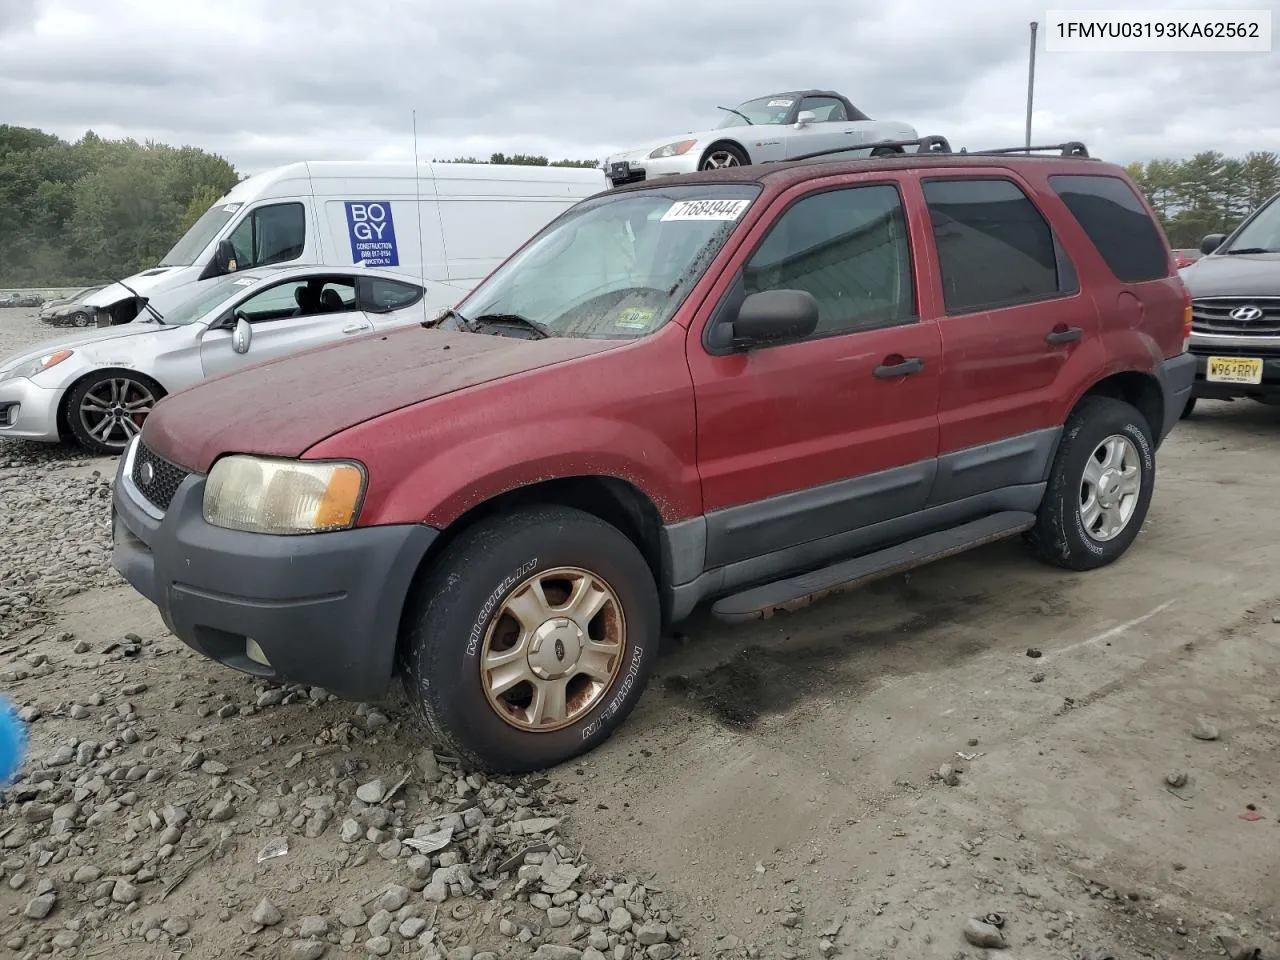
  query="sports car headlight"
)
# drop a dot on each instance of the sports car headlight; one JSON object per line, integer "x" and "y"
{"x": 39, "y": 365}
{"x": 262, "y": 495}
{"x": 676, "y": 149}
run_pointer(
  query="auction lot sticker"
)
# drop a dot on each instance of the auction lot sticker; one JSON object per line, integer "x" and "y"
{"x": 706, "y": 210}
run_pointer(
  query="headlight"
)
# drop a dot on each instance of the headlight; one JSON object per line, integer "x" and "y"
{"x": 37, "y": 366}
{"x": 672, "y": 149}
{"x": 261, "y": 495}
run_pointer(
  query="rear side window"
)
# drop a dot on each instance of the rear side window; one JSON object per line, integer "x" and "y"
{"x": 995, "y": 249}
{"x": 382, "y": 295}
{"x": 1111, "y": 214}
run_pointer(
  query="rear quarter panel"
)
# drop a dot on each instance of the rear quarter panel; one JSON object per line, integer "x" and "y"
{"x": 1141, "y": 323}
{"x": 625, "y": 413}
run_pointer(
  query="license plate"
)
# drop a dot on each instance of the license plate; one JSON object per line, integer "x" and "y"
{"x": 621, "y": 169}
{"x": 1234, "y": 370}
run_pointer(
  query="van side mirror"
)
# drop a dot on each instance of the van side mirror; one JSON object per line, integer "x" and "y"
{"x": 806, "y": 117}
{"x": 1212, "y": 242}
{"x": 771, "y": 316}
{"x": 224, "y": 258}
{"x": 241, "y": 336}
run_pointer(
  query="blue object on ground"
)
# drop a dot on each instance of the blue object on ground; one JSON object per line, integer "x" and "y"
{"x": 13, "y": 743}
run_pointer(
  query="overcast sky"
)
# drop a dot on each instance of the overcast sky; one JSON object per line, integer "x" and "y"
{"x": 263, "y": 82}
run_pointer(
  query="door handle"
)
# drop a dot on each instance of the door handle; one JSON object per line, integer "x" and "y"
{"x": 355, "y": 328}
{"x": 1062, "y": 334}
{"x": 896, "y": 366}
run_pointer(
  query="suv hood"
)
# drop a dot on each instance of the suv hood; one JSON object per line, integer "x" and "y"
{"x": 70, "y": 342}
{"x": 286, "y": 406}
{"x": 1241, "y": 275}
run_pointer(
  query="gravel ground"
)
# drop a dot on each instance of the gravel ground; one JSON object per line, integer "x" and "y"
{"x": 1085, "y": 761}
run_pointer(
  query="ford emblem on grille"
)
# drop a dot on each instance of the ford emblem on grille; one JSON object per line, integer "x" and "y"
{"x": 1246, "y": 314}
{"x": 146, "y": 473}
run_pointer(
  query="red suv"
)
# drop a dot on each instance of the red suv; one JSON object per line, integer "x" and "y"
{"x": 750, "y": 386}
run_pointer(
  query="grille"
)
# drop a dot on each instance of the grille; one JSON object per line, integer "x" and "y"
{"x": 164, "y": 478}
{"x": 1213, "y": 315}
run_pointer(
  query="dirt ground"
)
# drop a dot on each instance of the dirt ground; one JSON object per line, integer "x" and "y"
{"x": 781, "y": 783}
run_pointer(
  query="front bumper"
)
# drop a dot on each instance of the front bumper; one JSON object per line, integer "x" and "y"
{"x": 28, "y": 411}
{"x": 1264, "y": 348}
{"x": 622, "y": 171}
{"x": 321, "y": 609}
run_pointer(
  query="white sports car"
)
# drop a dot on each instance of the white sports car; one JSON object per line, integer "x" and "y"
{"x": 98, "y": 386}
{"x": 780, "y": 126}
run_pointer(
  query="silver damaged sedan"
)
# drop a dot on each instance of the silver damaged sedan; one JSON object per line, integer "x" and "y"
{"x": 97, "y": 386}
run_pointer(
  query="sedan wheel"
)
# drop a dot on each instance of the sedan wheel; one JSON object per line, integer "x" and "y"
{"x": 107, "y": 411}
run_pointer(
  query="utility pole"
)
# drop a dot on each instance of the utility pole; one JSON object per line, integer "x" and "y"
{"x": 1031, "y": 82}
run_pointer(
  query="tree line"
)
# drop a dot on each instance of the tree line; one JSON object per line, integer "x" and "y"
{"x": 1208, "y": 193}
{"x": 83, "y": 212}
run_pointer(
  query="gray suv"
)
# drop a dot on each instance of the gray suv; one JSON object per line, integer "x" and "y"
{"x": 1235, "y": 311}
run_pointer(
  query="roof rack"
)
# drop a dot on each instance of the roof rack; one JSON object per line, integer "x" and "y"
{"x": 936, "y": 144}
{"x": 929, "y": 144}
{"x": 1071, "y": 148}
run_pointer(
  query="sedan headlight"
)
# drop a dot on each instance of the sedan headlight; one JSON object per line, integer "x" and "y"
{"x": 33, "y": 367}
{"x": 679, "y": 148}
{"x": 262, "y": 495}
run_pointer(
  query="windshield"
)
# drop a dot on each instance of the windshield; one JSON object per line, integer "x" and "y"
{"x": 764, "y": 110}
{"x": 617, "y": 266}
{"x": 194, "y": 241}
{"x": 1262, "y": 233}
{"x": 179, "y": 310}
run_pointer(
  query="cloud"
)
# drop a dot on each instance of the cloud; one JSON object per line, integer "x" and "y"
{"x": 263, "y": 82}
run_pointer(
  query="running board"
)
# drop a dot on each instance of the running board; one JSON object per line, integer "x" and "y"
{"x": 760, "y": 603}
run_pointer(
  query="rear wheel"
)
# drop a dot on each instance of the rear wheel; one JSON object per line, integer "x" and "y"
{"x": 106, "y": 410}
{"x": 723, "y": 155}
{"x": 1099, "y": 488}
{"x": 532, "y": 639}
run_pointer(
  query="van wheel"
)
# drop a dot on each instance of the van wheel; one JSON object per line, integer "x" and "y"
{"x": 531, "y": 639}
{"x": 1099, "y": 488}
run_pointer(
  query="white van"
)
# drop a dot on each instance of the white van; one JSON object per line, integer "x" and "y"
{"x": 452, "y": 224}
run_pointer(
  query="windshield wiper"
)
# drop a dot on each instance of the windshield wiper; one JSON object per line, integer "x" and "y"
{"x": 739, "y": 113}
{"x": 1251, "y": 250}
{"x": 145, "y": 302}
{"x": 514, "y": 319}
{"x": 446, "y": 314}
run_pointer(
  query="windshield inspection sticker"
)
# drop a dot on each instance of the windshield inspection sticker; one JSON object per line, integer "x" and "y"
{"x": 781, "y": 103}
{"x": 706, "y": 210}
{"x": 633, "y": 318}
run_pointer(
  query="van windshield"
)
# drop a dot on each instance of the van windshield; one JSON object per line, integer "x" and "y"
{"x": 182, "y": 306}
{"x": 617, "y": 266}
{"x": 194, "y": 241}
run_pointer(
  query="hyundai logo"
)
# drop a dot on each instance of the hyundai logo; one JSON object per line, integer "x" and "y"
{"x": 1246, "y": 314}
{"x": 146, "y": 473}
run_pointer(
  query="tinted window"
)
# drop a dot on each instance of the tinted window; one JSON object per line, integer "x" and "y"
{"x": 381, "y": 294}
{"x": 849, "y": 249}
{"x": 274, "y": 234}
{"x": 1112, "y": 215}
{"x": 994, "y": 247}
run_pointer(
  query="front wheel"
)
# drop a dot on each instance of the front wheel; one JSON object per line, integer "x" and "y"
{"x": 723, "y": 155}
{"x": 1099, "y": 488}
{"x": 106, "y": 410}
{"x": 531, "y": 640}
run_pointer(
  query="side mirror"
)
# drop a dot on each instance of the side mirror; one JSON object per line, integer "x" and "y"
{"x": 806, "y": 117}
{"x": 773, "y": 315}
{"x": 241, "y": 336}
{"x": 224, "y": 257}
{"x": 1212, "y": 242}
